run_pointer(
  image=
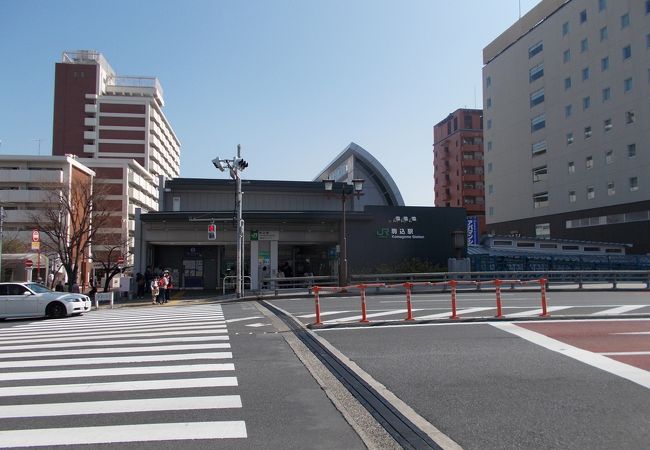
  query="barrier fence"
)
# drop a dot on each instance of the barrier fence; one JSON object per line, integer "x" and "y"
{"x": 408, "y": 287}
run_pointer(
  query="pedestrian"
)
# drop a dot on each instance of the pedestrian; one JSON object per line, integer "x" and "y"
{"x": 59, "y": 286}
{"x": 162, "y": 286}
{"x": 155, "y": 291}
{"x": 168, "y": 290}
{"x": 140, "y": 283}
{"x": 75, "y": 288}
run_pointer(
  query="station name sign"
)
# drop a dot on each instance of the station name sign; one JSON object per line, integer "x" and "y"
{"x": 401, "y": 228}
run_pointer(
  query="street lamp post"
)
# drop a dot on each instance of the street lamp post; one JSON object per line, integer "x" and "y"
{"x": 235, "y": 165}
{"x": 347, "y": 190}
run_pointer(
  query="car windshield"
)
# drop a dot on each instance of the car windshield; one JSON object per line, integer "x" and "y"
{"x": 38, "y": 288}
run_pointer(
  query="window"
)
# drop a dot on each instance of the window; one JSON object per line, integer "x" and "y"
{"x": 488, "y": 102}
{"x": 631, "y": 150}
{"x": 627, "y": 85}
{"x": 566, "y": 56}
{"x": 468, "y": 121}
{"x": 570, "y": 247}
{"x": 602, "y": 5}
{"x": 567, "y": 83}
{"x": 543, "y": 230}
{"x": 607, "y": 94}
{"x": 537, "y": 123}
{"x": 584, "y": 45}
{"x": 647, "y": 6}
{"x": 591, "y": 193}
{"x": 589, "y": 162}
{"x": 625, "y": 20}
{"x": 572, "y": 196}
{"x": 634, "y": 183}
{"x": 603, "y": 34}
{"x": 489, "y": 146}
{"x": 569, "y": 138}
{"x": 540, "y": 200}
{"x": 627, "y": 52}
{"x": 489, "y": 124}
{"x": 455, "y": 123}
{"x": 604, "y": 63}
{"x": 565, "y": 28}
{"x": 567, "y": 111}
{"x": 609, "y": 156}
{"x": 611, "y": 189}
{"x": 586, "y": 102}
{"x": 583, "y": 16}
{"x": 629, "y": 117}
{"x": 489, "y": 167}
{"x": 491, "y": 210}
{"x": 537, "y": 97}
{"x": 536, "y": 72}
{"x": 490, "y": 189}
{"x": 572, "y": 167}
{"x": 539, "y": 148}
{"x": 587, "y": 132}
{"x": 607, "y": 125}
{"x": 540, "y": 174}
{"x": 585, "y": 74}
{"x": 647, "y": 40}
{"x": 535, "y": 49}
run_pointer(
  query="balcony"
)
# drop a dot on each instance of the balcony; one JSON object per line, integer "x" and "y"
{"x": 25, "y": 196}
{"x": 21, "y": 215}
{"x": 31, "y": 176}
{"x": 90, "y": 148}
{"x": 90, "y": 135}
{"x": 90, "y": 121}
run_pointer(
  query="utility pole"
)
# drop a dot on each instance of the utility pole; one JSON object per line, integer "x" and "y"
{"x": 2, "y": 222}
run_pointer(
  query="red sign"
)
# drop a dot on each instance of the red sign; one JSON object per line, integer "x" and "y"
{"x": 29, "y": 263}
{"x": 120, "y": 260}
{"x": 36, "y": 236}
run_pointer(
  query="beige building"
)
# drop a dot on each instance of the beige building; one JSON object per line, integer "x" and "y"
{"x": 566, "y": 110}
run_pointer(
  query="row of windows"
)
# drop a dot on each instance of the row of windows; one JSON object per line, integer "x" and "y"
{"x": 630, "y": 118}
{"x": 626, "y": 53}
{"x": 602, "y": 6}
{"x": 541, "y": 199}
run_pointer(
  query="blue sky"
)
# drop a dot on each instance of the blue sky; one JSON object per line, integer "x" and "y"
{"x": 292, "y": 81}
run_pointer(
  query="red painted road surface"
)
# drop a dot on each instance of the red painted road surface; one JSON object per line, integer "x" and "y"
{"x": 610, "y": 336}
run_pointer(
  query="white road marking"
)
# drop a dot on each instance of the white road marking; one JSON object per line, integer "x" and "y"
{"x": 257, "y": 325}
{"x": 117, "y": 342}
{"x": 379, "y": 314}
{"x": 612, "y": 366}
{"x": 119, "y": 406}
{"x": 537, "y": 312}
{"x": 156, "y": 331}
{"x": 113, "y": 360}
{"x": 77, "y": 330}
{"x": 119, "y": 386}
{"x": 459, "y": 312}
{"x": 634, "y": 332}
{"x": 113, "y": 349}
{"x": 619, "y": 310}
{"x": 104, "y": 323}
{"x": 123, "y": 433}
{"x": 626, "y": 353}
{"x": 121, "y": 334}
{"x": 115, "y": 371}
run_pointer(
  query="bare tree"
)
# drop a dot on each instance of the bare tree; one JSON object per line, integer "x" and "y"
{"x": 107, "y": 251}
{"x": 72, "y": 217}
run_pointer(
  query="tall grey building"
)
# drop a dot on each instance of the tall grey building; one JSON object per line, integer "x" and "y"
{"x": 566, "y": 93}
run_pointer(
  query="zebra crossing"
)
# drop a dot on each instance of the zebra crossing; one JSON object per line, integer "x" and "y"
{"x": 119, "y": 376}
{"x": 347, "y": 315}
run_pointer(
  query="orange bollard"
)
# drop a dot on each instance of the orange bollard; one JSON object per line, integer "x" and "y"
{"x": 453, "y": 284}
{"x": 364, "y": 319}
{"x": 542, "y": 284}
{"x": 317, "y": 301}
{"x": 409, "y": 314}
{"x": 497, "y": 289}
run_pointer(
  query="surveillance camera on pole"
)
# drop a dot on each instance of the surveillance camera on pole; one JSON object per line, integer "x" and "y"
{"x": 218, "y": 163}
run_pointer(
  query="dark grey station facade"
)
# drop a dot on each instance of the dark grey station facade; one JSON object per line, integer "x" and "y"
{"x": 293, "y": 222}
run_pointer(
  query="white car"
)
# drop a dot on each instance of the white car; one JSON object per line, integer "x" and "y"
{"x": 35, "y": 300}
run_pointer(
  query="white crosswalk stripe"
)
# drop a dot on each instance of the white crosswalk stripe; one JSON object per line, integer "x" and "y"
{"x": 173, "y": 364}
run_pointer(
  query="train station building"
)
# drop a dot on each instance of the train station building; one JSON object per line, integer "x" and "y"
{"x": 296, "y": 224}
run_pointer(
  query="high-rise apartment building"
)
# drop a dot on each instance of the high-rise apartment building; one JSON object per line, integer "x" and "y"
{"x": 458, "y": 161}
{"x": 566, "y": 116}
{"x": 115, "y": 125}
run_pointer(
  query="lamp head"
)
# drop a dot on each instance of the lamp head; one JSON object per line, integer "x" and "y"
{"x": 218, "y": 164}
{"x": 329, "y": 184}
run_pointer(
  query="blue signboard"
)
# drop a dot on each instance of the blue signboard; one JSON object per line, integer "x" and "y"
{"x": 472, "y": 230}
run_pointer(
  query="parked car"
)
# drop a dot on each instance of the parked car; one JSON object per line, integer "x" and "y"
{"x": 35, "y": 300}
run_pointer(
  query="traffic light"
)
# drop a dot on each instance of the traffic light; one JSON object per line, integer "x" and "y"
{"x": 240, "y": 163}
{"x": 212, "y": 232}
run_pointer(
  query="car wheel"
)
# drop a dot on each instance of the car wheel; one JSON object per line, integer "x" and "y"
{"x": 56, "y": 310}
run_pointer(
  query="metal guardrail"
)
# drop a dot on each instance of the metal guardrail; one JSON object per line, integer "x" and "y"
{"x": 230, "y": 282}
{"x": 582, "y": 277}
